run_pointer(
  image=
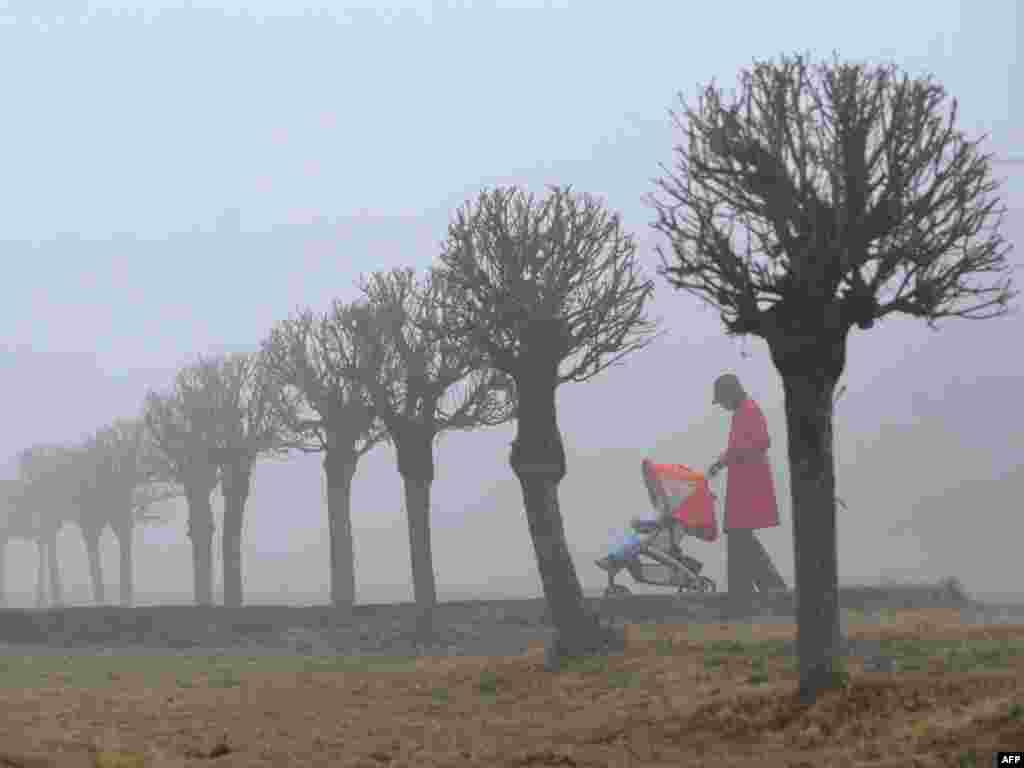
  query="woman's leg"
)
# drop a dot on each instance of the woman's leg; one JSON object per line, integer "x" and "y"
{"x": 739, "y": 548}
{"x": 765, "y": 574}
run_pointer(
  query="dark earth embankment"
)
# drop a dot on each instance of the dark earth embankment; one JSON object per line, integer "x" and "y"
{"x": 494, "y": 627}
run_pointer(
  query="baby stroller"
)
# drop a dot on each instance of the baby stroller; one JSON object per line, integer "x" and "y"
{"x": 651, "y": 554}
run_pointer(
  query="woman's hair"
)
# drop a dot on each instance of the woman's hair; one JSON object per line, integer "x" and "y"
{"x": 728, "y": 384}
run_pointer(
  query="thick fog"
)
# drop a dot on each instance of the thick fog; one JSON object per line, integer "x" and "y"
{"x": 177, "y": 181}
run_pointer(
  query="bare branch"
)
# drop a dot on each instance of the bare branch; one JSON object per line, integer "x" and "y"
{"x": 44, "y": 494}
{"x": 306, "y": 357}
{"x": 250, "y": 409}
{"x": 183, "y": 426}
{"x": 831, "y": 198}
{"x": 417, "y": 378}
{"x": 535, "y": 285}
{"x": 117, "y": 477}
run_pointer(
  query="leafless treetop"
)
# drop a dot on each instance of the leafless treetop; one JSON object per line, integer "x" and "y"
{"x": 248, "y": 407}
{"x": 826, "y": 182}
{"x": 538, "y": 283}
{"x": 413, "y": 370}
{"x": 116, "y": 466}
{"x": 308, "y": 356}
{"x": 183, "y": 427}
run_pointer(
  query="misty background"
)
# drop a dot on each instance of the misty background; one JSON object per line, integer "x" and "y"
{"x": 177, "y": 180}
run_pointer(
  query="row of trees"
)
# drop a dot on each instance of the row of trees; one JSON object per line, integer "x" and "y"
{"x": 819, "y": 200}
{"x": 338, "y": 383}
{"x": 109, "y": 478}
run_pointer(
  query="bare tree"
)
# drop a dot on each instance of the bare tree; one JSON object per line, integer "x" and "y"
{"x": 327, "y": 413}
{"x": 44, "y": 501}
{"x": 183, "y": 426}
{"x": 12, "y": 526}
{"x": 420, "y": 386}
{"x": 9, "y": 494}
{"x": 250, "y": 413}
{"x": 549, "y": 292}
{"x": 117, "y": 485}
{"x": 810, "y": 205}
{"x": 22, "y": 521}
{"x": 101, "y": 481}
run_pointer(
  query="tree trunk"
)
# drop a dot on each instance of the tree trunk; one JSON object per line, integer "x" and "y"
{"x": 56, "y": 588}
{"x": 538, "y": 460}
{"x": 339, "y": 469}
{"x": 812, "y": 480}
{"x": 40, "y": 574}
{"x": 126, "y": 573}
{"x": 92, "y": 550}
{"x": 200, "y": 531}
{"x": 416, "y": 465}
{"x": 417, "y": 506}
{"x": 235, "y": 488}
{"x": 3, "y": 570}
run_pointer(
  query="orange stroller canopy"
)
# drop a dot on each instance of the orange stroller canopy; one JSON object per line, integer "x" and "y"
{"x": 686, "y": 493}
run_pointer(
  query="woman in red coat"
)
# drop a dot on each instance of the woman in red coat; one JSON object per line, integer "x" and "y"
{"x": 750, "y": 494}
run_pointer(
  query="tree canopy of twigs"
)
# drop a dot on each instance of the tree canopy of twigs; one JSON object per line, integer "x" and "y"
{"x": 834, "y": 187}
{"x": 413, "y": 367}
{"x": 248, "y": 408}
{"x": 558, "y": 275}
{"x": 183, "y": 426}
{"x": 308, "y": 356}
{"x": 45, "y": 488}
{"x": 118, "y": 474}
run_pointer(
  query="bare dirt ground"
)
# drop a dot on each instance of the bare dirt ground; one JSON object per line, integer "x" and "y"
{"x": 711, "y": 695}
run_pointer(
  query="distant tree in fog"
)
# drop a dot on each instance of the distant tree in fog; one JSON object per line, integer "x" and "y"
{"x": 40, "y": 501}
{"x": 420, "y": 386}
{"x": 306, "y": 355}
{"x": 116, "y": 483}
{"x": 183, "y": 426}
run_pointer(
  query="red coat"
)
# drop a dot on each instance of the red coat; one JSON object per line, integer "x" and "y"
{"x": 750, "y": 493}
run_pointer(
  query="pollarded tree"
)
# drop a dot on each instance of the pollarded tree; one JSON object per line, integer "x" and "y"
{"x": 24, "y": 519}
{"x": 420, "y": 386}
{"x": 250, "y": 415}
{"x": 9, "y": 493}
{"x": 549, "y": 292}
{"x": 103, "y": 480}
{"x": 21, "y": 521}
{"x": 819, "y": 200}
{"x": 183, "y": 427}
{"x": 328, "y": 413}
{"x": 43, "y": 502}
{"x": 117, "y": 484}
{"x": 12, "y": 526}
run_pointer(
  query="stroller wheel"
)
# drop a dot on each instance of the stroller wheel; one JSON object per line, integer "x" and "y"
{"x": 617, "y": 590}
{"x": 704, "y": 584}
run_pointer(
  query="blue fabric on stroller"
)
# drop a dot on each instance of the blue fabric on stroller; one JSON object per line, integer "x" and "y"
{"x": 628, "y": 544}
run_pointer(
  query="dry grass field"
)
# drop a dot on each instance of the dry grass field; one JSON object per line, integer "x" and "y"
{"x": 700, "y": 695}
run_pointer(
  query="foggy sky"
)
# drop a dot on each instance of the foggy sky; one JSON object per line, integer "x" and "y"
{"x": 177, "y": 181}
